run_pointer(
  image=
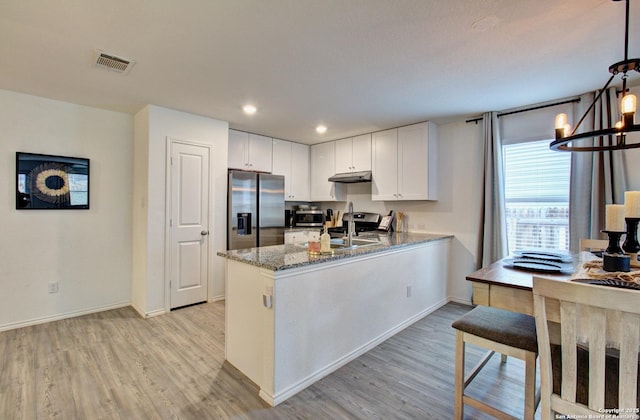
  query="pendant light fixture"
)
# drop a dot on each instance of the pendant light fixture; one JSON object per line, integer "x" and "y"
{"x": 565, "y": 138}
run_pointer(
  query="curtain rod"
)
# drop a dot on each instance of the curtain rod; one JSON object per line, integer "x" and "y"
{"x": 527, "y": 109}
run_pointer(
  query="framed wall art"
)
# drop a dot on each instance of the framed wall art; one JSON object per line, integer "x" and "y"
{"x": 51, "y": 182}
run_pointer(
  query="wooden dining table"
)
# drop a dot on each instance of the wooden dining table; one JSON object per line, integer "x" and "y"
{"x": 509, "y": 288}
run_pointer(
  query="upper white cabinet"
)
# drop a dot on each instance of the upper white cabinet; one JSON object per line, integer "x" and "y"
{"x": 353, "y": 154}
{"x": 292, "y": 161}
{"x": 404, "y": 162}
{"x": 323, "y": 166}
{"x": 250, "y": 152}
{"x": 384, "y": 165}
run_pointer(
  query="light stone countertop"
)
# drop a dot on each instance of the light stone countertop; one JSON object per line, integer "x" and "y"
{"x": 284, "y": 257}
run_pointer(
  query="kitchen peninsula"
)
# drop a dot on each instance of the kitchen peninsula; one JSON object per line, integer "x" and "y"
{"x": 293, "y": 318}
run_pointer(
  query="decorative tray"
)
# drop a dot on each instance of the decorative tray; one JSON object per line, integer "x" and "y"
{"x": 544, "y": 254}
{"x": 538, "y": 265}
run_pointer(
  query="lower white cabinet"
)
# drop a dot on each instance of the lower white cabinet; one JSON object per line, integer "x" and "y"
{"x": 404, "y": 163}
{"x": 323, "y": 166}
{"x": 296, "y": 237}
{"x": 291, "y": 160}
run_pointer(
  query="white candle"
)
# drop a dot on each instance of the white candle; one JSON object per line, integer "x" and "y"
{"x": 632, "y": 203}
{"x": 615, "y": 218}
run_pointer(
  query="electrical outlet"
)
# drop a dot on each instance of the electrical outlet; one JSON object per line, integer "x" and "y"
{"x": 408, "y": 290}
{"x": 53, "y": 287}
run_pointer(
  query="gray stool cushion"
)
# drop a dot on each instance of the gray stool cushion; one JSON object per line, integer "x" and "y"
{"x": 510, "y": 328}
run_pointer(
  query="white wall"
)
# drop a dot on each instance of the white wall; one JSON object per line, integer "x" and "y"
{"x": 153, "y": 125}
{"x": 88, "y": 252}
{"x": 457, "y": 210}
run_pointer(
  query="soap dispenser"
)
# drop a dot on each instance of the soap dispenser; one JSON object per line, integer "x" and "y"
{"x": 325, "y": 242}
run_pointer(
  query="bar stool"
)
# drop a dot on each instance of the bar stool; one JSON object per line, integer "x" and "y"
{"x": 506, "y": 332}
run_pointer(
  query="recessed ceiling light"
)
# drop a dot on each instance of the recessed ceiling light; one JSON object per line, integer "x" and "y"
{"x": 249, "y": 109}
{"x": 321, "y": 129}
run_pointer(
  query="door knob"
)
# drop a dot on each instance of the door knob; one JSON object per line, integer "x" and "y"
{"x": 204, "y": 233}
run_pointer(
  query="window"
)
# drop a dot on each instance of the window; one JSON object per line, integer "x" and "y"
{"x": 536, "y": 196}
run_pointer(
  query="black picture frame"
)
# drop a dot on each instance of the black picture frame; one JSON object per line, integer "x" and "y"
{"x": 50, "y": 182}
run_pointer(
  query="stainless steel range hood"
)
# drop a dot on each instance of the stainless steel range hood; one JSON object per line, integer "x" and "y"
{"x": 352, "y": 177}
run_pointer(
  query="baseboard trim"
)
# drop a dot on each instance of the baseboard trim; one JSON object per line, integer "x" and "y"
{"x": 151, "y": 314}
{"x": 459, "y": 300}
{"x": 283, "y": 395}
{"x": 58, "y": 317}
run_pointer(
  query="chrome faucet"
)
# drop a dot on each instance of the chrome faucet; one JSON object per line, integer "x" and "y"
{"x": 350, "y": 225}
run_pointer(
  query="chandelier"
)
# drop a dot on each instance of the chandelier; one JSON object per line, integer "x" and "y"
{"x": 565, "y": 137}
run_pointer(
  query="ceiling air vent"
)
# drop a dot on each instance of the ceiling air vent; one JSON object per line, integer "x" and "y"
{"x": 113, "y": 62}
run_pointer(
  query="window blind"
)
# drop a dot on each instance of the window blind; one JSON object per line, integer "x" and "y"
{"x": 536, "y": 195}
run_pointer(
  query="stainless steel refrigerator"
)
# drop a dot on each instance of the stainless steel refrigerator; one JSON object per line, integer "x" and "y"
{"x": 255, "y": 210}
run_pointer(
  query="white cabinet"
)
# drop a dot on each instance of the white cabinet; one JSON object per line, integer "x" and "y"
{"x": 353, "y": 154}
{"x": 323, "y": 166}
{"x": 292, "y": 161}
{"x": 384, "y": 165}
{"x": 404, "y": 162}
{"x": 250, "y": 152}
{"x": 296, "y": 236}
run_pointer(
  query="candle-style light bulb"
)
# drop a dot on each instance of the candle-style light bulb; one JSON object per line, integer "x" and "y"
{"x": 629, "y": 104}
{"x": 628, "y": 110}
{"x": 561, "y": 121}
{"x": 561, "y": 126}
{"x": 620, "y": 137}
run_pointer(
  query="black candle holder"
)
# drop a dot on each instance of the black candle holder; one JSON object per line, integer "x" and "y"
{"x": 631, "y": 245}
{"x": 614, "y": 242}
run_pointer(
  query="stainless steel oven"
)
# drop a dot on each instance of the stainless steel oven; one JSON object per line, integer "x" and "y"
{"x": 308, "y": 218}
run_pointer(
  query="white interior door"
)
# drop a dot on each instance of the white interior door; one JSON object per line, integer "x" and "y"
{"x": 189, "y": 223}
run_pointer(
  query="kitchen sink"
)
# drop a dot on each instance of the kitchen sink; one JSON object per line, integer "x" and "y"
{"x": 355, "y": 243}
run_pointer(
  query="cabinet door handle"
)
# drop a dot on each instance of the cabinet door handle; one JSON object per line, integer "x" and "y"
{"x": 204, "y": 232}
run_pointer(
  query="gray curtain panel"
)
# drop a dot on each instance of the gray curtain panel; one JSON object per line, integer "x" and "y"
{"x": 493, "y": 230}
{"x": 597, "y": 178}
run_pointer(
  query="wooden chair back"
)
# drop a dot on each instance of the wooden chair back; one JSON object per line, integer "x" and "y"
{"x": 593, "y": 244}
{"x": 601, "y": 320}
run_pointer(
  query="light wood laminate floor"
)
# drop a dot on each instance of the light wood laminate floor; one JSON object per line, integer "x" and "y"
{"x": 115, "y": 365}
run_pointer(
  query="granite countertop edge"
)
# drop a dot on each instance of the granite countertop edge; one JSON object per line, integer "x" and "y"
{"x": 290, "y": 256}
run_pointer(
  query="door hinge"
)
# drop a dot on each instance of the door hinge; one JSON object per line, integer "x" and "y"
{"x": 170, "y": 222}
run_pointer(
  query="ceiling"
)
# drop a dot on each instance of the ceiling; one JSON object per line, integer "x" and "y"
{"x": 356, "y": 66}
